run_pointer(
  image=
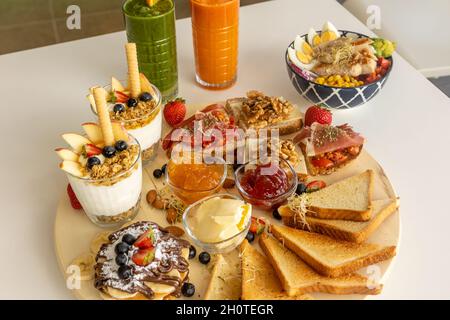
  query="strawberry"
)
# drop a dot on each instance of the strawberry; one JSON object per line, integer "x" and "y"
{"x": 146, "y": 240}
{"x": 257, "y": 226}
{"x": 144, "y": 256}
{"x": 384, "y": 63}
{"x": 73, "y": 198}
{"x": 174, "y": 112}
{"x": 90, "y": 150}
{"x": 317, "y": 114}
{"x": 118, "y": 96}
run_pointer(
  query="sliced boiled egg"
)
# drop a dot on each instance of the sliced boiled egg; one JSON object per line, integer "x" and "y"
{"x": 313, "y": 38}
{"x": 294, "y": 57}
{"x": 303, "y": 50}
{"x": 329, "y": 32}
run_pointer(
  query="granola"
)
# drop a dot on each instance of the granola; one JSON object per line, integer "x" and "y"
{"x": 261, "y": 110}
{"x": 139, "y": 116}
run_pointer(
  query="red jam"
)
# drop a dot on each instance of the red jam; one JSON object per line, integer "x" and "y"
{"x": 261, "y": 185}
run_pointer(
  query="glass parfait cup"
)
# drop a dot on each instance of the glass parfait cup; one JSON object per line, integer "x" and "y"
{"x": 113, "y": 201}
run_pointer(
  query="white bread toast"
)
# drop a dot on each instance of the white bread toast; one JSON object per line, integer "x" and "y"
{"x": 298, "y": 278}
{"x": 290, "y": 125}
{"x": 259, "y": 281}
{"x": 353, "y": 231}
{"x": 226, "y": 278}
{"x": 328, "y": 256}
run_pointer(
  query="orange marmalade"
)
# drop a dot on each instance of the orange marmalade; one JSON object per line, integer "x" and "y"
{"x": 191, "y": 181}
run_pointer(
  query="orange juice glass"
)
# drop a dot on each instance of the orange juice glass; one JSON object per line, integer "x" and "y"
{"x": 215, "y": 28}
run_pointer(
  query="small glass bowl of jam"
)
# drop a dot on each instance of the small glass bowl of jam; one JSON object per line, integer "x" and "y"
{"x": 266, "y": 183}
{"x": 192, "y": 181}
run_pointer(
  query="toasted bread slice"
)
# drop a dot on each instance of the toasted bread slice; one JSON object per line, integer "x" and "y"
{"x": 348, "y": 199}
{"x": 259, "y": 281}
{"x": 328, "y": 256}
{"x": 290, "y": 125}
{"x": 353, "y": 231}
{"x": 226, "y": 278}
{"x": 298, "y": 278}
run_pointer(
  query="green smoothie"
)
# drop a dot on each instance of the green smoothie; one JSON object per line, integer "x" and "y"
{"x": 153, "y": 31}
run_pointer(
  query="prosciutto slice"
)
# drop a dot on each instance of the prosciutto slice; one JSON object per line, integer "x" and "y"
{"x": 320, "y": 138}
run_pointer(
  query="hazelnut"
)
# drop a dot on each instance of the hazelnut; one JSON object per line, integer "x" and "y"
{"x": 159, "y": 203}
{"x": 171, "y": 215}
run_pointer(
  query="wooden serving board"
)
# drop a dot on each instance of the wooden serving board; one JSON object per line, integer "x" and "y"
{"x": 73, "y": 231}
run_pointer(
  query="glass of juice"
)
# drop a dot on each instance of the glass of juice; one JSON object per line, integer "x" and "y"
{"x": 215, "y": 27}
{"x": 152, "y": 28}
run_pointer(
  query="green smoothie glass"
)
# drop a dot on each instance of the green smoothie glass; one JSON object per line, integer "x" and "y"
{"x": 153, "y": 31}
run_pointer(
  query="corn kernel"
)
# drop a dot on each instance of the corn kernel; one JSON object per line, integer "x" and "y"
{"x": 346, "y": 78}
{"x": 330, "y": 79}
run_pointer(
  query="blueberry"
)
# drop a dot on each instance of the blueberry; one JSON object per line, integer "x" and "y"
{"x": 157, "y": 173}
{"x": 132, "y": 102}
{"x": 122, "y": 247}
{"x": 109, "y": 151}
{"x": 118, "y": 107}
{"x": 250, "y": 236}
{"x": 204, "y": 257}
{"x": 192, "y": 252}
{"x": 124, "y": 272}
{"x": 121, "y": 145}
{"x": 129, "y": 239}
{"x": 92, "y": 161}
{"x": 121, "y": 259}
{"x": 163, "y": 168}
{"x": 145, "y": 96}
{"x": 276, "y": 214}
{"x": 188, "y": 289}
{"x": 301, "y": 188}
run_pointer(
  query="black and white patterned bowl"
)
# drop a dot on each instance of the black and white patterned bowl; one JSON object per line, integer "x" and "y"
{"x": 334, "y": 97}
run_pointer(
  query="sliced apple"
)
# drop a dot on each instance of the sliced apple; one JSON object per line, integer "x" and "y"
{"x": 75, "y": 141}
{"x": 146, "y": 85}
{"x": 67, "y": 154}
{"x": 90, "y": 97}
{"x": 116, "y": 85}
{"x": 72, "y": 167}
{"x": 93, "y": 132}
{"x": 120, "y": 133}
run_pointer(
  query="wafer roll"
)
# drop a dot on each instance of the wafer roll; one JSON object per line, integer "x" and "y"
{"x": 133, "y": 70}
{"x": 103, "y": 116}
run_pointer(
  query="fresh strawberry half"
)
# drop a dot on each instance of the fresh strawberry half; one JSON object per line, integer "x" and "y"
{"x": 318, "y": 114}
{"x": 73, "y": 198}
{"x": 146, "y": 240}
{"x": 144, "y": 256}
{"x": 90, "y": 150}
{"x": 119, "y": 96}
{"x": 257, "y": 225}
{"x": 174, "y": 112}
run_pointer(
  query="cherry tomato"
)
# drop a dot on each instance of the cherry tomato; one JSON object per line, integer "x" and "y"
{"x": 257, "y": 225}
{"x": 315, "y": 185}
{"x": 322, "y": 162}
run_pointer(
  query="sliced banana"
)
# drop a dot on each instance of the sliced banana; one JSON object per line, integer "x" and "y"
{"x": 119, "y": 294}
{"x": 160, "y": 288}
{"x": 85, "y": 263}
{"x": 185, "y": 253}
{"x": 98, "y": 241}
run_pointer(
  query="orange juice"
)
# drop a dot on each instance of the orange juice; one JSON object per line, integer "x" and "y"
{"x": 215, "y": 26}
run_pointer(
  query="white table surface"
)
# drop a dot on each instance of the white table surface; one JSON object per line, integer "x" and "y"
{"x": 43, "y": 92}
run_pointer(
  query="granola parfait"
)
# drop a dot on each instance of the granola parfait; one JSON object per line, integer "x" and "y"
{"x": 137, "y": 106}
{"x": 104, "y": 168}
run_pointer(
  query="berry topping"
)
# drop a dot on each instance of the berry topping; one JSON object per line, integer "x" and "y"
{"x": 121, "y": 145}
{"x": 301, "y": 188}
{"x": 132, "y": 102}
{"x": 144, "y": 256}
{"x": 122, "y": 247}
{"x": 90, "y": 150}
{"x": 192, "y": 252}
{"x": 204, "y": 257}
{"x": 188, "y": 289}
{"x": 73, "y": 198}
{"x": 145, "y": 96}
{"x": 118, "y": 107}
{"x": 129, "y": 239}
{"x": 276, "y": 214}
{"x": 174, "y": 112}
{"x": 317, "y": 114}
{"x": 250, "y": 236}
{"x": 146, "y": 240}
{"x": 109, "y": 151}
{"x": 92, "y": 161}
{"x": 157, "y": 173}
{"x": 121, "y": 259}
{"x": 124, "y": 272}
